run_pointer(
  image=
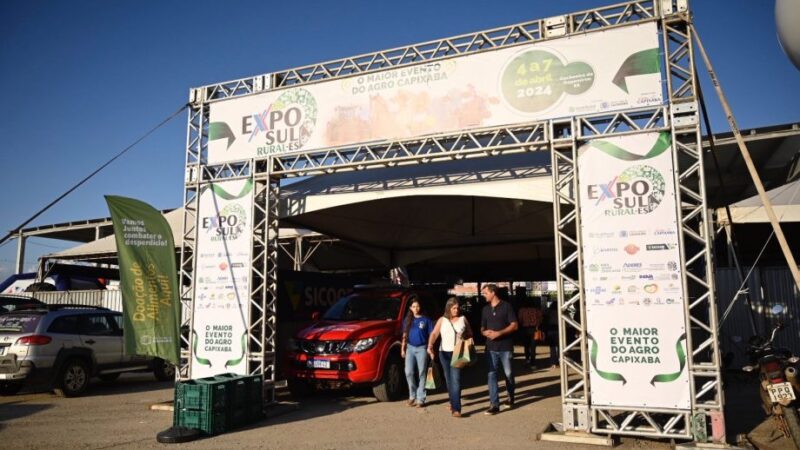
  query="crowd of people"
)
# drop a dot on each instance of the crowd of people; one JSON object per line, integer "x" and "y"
{"x": 501, "y": 322}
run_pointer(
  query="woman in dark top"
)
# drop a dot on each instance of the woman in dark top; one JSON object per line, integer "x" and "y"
{"x": 416, "y": 331}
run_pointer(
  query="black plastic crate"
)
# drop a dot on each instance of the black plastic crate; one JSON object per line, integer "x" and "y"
{"x": 209, "y": 422}
{"x": 208, "y": 394}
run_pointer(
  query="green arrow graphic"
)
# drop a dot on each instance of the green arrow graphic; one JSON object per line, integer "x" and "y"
{"x": 220, "y": 130}
{"x": 639, "y": 63}
{"x": 236, "y": 361}
{"x": 667, "y": 377}
{"x": 222, "y": 193}
{"x": 611, "y": 376}
{"x": 199, "y": 360}
{"x": 662, "y": 143}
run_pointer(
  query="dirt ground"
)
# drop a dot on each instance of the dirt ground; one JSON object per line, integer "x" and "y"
{"x": 117, "y": 415}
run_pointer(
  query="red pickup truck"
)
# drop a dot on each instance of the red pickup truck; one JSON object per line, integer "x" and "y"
{"x": 357, "y": 342}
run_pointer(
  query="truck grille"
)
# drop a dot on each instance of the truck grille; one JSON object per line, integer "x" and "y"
{"x": 323, "y": 347}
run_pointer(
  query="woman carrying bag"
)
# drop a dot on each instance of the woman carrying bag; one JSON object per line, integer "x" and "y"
{"x": 450, "y": 327}
{"x": 416, "y": 331}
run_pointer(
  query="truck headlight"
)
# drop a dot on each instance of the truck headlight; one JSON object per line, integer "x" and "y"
{"x": 363, "y": 345}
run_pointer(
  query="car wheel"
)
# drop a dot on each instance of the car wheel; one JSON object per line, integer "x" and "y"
{"x": 109, "y": 377}
{"x": 10, "y": 387}
{"x": 163, "y": 370}
{"x": 299, "y": 388}
{"x": 391, "y": 387}
{"x": 73, "y": 378}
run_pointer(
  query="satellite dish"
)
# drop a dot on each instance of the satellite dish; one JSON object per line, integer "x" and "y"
{"x": 787, "y": 18}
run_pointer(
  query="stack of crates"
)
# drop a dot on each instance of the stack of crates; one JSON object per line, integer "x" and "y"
{"x": 217, "y": 404}
{"x": 245, "y": 398}
{"x": 202, "y": 404}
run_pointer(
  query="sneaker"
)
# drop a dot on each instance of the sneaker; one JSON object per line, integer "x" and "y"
{"x": 492, "y": 411}
{"x": 420, "y": 405}
{"x": 456, "y": 414}
{"x": 507, "y": 405}
{"x": 411, "y": 402}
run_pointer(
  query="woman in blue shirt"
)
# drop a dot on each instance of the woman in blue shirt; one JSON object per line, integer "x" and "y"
{"x": 416, "y": 331}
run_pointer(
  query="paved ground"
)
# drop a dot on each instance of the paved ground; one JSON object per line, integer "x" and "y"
{"x": 116, "y": 415}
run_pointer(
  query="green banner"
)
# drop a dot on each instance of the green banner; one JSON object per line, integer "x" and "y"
{"x": 148, "y": 279}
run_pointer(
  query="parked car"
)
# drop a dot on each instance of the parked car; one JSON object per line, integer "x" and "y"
{"x": 357, "y": 342}
{"x": 63, "y": 346}
{"x": 10, "y": 302}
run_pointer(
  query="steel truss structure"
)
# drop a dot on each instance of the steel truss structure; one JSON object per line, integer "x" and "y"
{"x": 560, "y": 137}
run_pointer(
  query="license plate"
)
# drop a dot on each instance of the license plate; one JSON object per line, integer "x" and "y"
{"x": 780, "y": 391}
{"x": 318, "y": 364}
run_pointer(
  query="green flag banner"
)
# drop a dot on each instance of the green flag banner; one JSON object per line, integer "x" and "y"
{"x": 148, "y": 279}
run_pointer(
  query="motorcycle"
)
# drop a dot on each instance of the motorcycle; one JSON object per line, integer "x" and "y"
{"x": 777, "y": 369}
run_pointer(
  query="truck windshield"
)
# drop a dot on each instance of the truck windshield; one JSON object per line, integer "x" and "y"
{"x": 364, "y": 308}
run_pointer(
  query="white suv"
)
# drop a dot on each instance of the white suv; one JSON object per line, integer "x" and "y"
{"x": 63, "y": 346}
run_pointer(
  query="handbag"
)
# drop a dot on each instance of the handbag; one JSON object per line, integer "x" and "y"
{"x": 430, "y": 379}
{"x": 539, "y": 336}
{"x": 464, "y": 353}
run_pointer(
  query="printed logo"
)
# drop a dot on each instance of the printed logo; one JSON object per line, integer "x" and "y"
{"x": 631, "y": 249}
{"x": 637, "y": 190}
{"x": 664, "y": 232}
{"x": 228, "y": 225}
{"x": 656, "y": 247}
{"x": 647, "y": 276}
{"x": 631, "y": 267}
{"x": 651, "y": 288}
{"x": 285, "y": 125}
{"x": 672, "y": 265}
{"x": 601, "y": 250}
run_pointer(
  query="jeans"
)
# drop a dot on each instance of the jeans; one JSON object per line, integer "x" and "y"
{"x": 452, "y": 377}
{"x": 416, "y": 372}
{"x": 495, "y": 359}
{"x": 529, "y": 345}
{"x": 552, "y": 338}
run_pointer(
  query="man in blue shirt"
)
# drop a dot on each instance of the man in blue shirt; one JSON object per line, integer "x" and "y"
{"x": 498, "y": 324}
{"x": 416, "y": 331}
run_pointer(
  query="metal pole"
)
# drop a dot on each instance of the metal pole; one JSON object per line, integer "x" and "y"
{"x": 733, "y": 248}
{"x": 762, "y": 194}
{"x": 20, "y": 253}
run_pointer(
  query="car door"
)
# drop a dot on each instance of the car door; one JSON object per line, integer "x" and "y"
{"x": 127, "y": 360}
{"x": 100, "y": 335}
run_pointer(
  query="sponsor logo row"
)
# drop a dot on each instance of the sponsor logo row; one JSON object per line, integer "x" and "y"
{"x": 646, "y": 301}
{"x": 631, "y": 233}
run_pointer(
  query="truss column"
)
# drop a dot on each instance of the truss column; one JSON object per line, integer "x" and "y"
{"x": 196, "y": 140}
{"x": 696, "y": 236}
{"x": 262, "y": 327}
{"x": 571, "y": 310}
{"x": 297, "y": 260}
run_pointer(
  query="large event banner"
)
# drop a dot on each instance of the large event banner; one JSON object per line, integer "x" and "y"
{"x": 605, "y": 71}
{"x": 148, "y": 279}
{"x": 222, "y": 281}
{"x": 632, "y": 273}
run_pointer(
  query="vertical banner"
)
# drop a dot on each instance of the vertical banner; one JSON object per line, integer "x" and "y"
{"x": 148, "y": 279}
{"x": 632, "y": 273}
{"x": 222, "y": 301}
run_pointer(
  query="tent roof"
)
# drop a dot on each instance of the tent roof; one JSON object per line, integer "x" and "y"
{"x": 785, "y": 202}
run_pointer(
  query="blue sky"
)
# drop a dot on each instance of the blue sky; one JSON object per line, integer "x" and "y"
{"x": 83, "y": 79}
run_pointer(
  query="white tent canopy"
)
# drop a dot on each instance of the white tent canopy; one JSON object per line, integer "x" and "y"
{"x": 785, "y": 202}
